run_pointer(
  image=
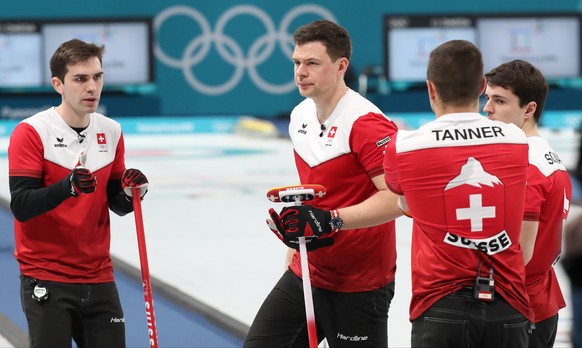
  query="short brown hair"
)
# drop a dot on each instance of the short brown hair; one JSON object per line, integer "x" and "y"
{"x": 456, "y": 69}
{"x": 334, "y": 37}
{"x": 73, "y": 52}
{"x": 524, "y": 80}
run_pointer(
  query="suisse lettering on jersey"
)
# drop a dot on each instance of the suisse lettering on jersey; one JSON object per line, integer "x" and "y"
{"x": 491, "y": 246}
{"x": 468, "y": 133}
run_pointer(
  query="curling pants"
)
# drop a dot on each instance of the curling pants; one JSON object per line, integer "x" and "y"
{"x": 345, "y": 319}
{"x": 89, "y": 314}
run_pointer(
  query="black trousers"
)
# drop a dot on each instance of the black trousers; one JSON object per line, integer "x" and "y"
{"x": 544, "y": 333}
{"x": 89, "y": 314}
{"x": 459, "y": 320}
{"x": 345, "y": 319}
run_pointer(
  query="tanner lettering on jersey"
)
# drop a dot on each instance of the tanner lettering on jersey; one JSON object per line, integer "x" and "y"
{"x": 468, "y": 133}
{"x": 491, "y": 246}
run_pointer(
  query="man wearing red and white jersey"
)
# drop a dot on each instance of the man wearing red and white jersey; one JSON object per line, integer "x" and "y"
{"x": 462, "y": 178}
{"x": 516, "y": 93}
{"x": 338, "y": 139}
{"x": 66, "y": 169}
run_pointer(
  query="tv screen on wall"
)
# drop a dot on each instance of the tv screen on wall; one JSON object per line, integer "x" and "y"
{"x": 550, "y": 41}
{"x": 26, "y": 48}
{"x": 127, "y": 58}
{"x": 410, "y": 39}
{"x": 20, "y": 54}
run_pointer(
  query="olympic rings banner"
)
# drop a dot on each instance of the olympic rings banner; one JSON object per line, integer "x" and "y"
{"x": 229, "y": 49}
{"x": 241, "y": 57}
{"x": 230, "y": 57}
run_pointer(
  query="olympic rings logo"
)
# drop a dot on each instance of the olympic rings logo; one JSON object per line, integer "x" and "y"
{"x": 198, "y": 48}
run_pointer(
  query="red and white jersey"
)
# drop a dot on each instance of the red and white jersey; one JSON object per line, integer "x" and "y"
{"x": 463, "y": 177}
{"x": 343, "y": 158}
{"x": 548, "y": 197}
{"x": 71, "y": 242}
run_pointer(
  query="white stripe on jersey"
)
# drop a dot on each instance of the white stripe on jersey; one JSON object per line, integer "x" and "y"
{"x": 305, "y": 129}
{"x": 63, "y": 146}
{"x": 460, "y": 129}
{"x": 543, "y": 156}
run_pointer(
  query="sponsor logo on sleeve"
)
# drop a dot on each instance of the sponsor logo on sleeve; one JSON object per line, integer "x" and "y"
{"x": 383, "y": 142}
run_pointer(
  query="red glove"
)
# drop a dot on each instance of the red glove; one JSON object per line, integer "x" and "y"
{"x": 278, "y": 230}
{"x": 134, "y": 178}
{"x": 304, "y": 221}
{"x": 82, "y": 181}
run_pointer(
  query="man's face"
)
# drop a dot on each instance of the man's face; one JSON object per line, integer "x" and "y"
{"x": 82, "y": 87}
{"x": 503, "y": 105}
{"x": 315, "y": 73}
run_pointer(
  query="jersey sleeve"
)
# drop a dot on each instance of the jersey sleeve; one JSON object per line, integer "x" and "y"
{"x": 26, "y": 159}
{"x": 391, "y": 173}
{"x": 369, "y": 136}
{"x": 119, "y": 161}
{"x": 25, "y": 152}
{"x": 538, "y": 186}
{"x": 118, "y": 202}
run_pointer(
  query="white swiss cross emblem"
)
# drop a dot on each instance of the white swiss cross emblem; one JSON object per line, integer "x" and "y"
{"x": 474, "y": 202}
{"x": 332, "y": 131}
{"x": 101, "y": 140}
{"x": 476, "y": 212}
